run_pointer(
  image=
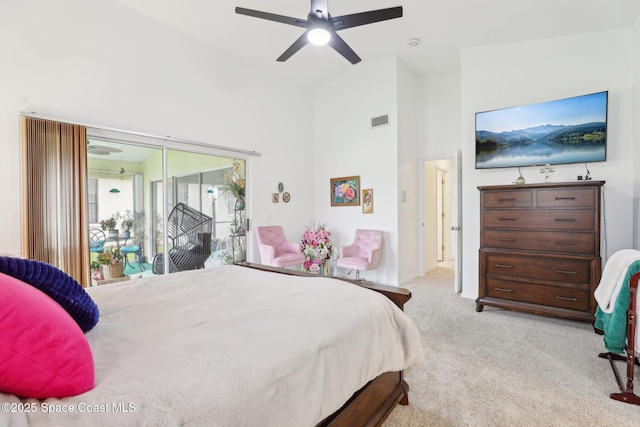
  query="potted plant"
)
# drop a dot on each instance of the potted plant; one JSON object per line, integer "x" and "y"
{"x": 127, "y": 223}
{"x": 110, "y": 225}
{"x": 96, "y": 271}
{"x": 235, "y": 185}
{"x": 111, "y": 262}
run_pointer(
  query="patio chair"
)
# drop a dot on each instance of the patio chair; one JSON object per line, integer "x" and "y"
{"x": 189, "y": 234}
{"x": 96, "y": 240}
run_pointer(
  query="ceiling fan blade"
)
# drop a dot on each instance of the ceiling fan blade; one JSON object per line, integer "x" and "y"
{"x": 363, "y": 18}
{"x": 272, "y": 17}
{"x": 296, "y": 46}
{"x": 319, "y": 9}
{"x": 343, "y": 48}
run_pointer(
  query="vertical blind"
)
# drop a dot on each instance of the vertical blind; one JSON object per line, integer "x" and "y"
{"x": 54, "y": 195}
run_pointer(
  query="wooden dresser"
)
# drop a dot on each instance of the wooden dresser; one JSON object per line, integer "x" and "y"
{"x": 540, "y": 248}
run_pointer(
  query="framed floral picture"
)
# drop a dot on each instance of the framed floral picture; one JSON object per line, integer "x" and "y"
{"x": 345, "y": 191}
{"x": 367, "y": 201}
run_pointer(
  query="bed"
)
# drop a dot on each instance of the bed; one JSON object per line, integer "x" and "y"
{"x": 239, "y": 346}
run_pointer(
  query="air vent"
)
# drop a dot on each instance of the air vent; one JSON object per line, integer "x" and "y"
{"x": 379, "y": 121}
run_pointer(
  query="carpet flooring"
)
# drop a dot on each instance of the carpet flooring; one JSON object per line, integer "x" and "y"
{"x": 503, "y": 368}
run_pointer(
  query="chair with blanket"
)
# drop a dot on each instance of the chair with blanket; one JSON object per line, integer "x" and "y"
{"x": 363, "y": 254}
{"x": 189, "y": 234}
{"x": 275, "y": 249}
{"x": 616, "y": 316}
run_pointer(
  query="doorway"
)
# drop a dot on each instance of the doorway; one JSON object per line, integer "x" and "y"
{"x": 440, "y": 213}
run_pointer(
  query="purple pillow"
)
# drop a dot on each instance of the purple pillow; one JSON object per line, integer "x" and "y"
{"x": 64, "y": 289}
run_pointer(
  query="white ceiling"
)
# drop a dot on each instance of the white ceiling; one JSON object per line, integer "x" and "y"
{"x": 443, "y": 27}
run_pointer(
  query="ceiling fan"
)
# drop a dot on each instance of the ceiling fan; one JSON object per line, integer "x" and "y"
{"x": 322, "y": 27}
{"x": 101, "y": 150}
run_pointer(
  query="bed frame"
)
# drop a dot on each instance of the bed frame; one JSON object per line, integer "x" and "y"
{"x": 370, "y": 405}
{"x": 626, "y": 394}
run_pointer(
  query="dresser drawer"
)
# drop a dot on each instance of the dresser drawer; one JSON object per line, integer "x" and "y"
{"x": 582, "y": 243}
{"x": 553, "y": 296}
{"x": 507, "y": 199}
{"x": 567, "y": 271}
{"x": 538, "y": 219}
{"x": 566, "y": 198}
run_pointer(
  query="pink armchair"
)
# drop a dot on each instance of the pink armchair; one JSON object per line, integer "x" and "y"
{"x": 363, "y": 254}
{"x": 274, "y": 248}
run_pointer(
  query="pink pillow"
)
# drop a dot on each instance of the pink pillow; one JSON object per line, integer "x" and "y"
{"x": 43, "y": 352}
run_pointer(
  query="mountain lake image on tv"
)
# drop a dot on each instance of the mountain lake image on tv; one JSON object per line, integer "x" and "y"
{"x": 570, "y": 130}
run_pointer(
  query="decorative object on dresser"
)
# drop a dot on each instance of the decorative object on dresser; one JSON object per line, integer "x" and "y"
{"x": 540, "y": 248}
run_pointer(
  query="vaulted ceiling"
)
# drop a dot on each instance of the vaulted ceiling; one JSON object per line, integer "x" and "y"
{"x": 442, "y": 26}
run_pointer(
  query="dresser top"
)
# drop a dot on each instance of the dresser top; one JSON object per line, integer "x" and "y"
{"x": 572, "y": 184}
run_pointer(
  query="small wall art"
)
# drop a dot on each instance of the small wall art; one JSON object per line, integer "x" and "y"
{"x": 275, "y": 198}
{"x": 345, "y": 191}
{"x": 367, "y": 201}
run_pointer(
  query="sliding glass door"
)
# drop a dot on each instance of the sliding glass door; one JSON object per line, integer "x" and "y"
{"x": 168, "y": 208}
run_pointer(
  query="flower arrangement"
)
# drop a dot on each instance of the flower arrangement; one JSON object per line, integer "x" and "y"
{"x": 236, "y": 183}
{"x": 110, "y": 257}
{"x": 316, "y": 247}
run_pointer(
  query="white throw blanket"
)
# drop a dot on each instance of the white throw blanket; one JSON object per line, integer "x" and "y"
{"x": 613, "y": 277}
{"x": 232, "y": 346}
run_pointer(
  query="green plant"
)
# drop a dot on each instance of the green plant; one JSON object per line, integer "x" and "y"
{"x": 112, "y": 256}
{"x": 127, "y": 220}
{"x": 236, "y": 183}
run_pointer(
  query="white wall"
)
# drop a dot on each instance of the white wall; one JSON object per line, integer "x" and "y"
{"x": 345, "y": 145}
{"x": 408, "y": 196}
{"x": 102, "y": 63}
{"x": 440, "y": 124}
{"x": 522, "y": 73}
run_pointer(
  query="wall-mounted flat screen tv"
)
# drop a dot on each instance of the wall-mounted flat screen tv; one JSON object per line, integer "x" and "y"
{"x": 570, "y": 130}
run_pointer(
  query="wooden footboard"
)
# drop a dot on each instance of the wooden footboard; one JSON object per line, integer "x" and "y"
{"x": 373, "y": 403}
{"x": 399, "y": 296}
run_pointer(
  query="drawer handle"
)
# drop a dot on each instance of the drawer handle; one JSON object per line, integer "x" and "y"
{"x": 565, "y": 198}
{"x": 565, "y": 243}
{"x": 566, "y": 298}
{"x": 512, "y": 199}
{"x": 503, "y": 290}
{"x": 503, "y": 266}
{"x": 506, "y": 240}
{"x": 565, "y": 219}
{"x": 566, "y": 272}
{"x": 506, "y": 219}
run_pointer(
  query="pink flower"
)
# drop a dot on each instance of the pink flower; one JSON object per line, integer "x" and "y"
{"x": 350, "y": 193}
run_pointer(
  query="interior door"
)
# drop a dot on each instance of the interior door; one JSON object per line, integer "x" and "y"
{"x": 456, "y": 227}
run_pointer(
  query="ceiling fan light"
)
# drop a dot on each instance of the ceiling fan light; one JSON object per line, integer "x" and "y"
{"x": 318, "y": 36}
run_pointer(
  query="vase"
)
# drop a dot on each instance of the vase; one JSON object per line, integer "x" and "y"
{"x": 112, "y": 271}
{"x": 126, "y": 234}
{"x": 240, "y": 204}
{"x": 113, "y": 233}
{"x": 321, "y": 269}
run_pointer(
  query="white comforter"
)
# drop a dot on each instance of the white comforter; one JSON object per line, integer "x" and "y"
{"x": 232, "y": 346}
